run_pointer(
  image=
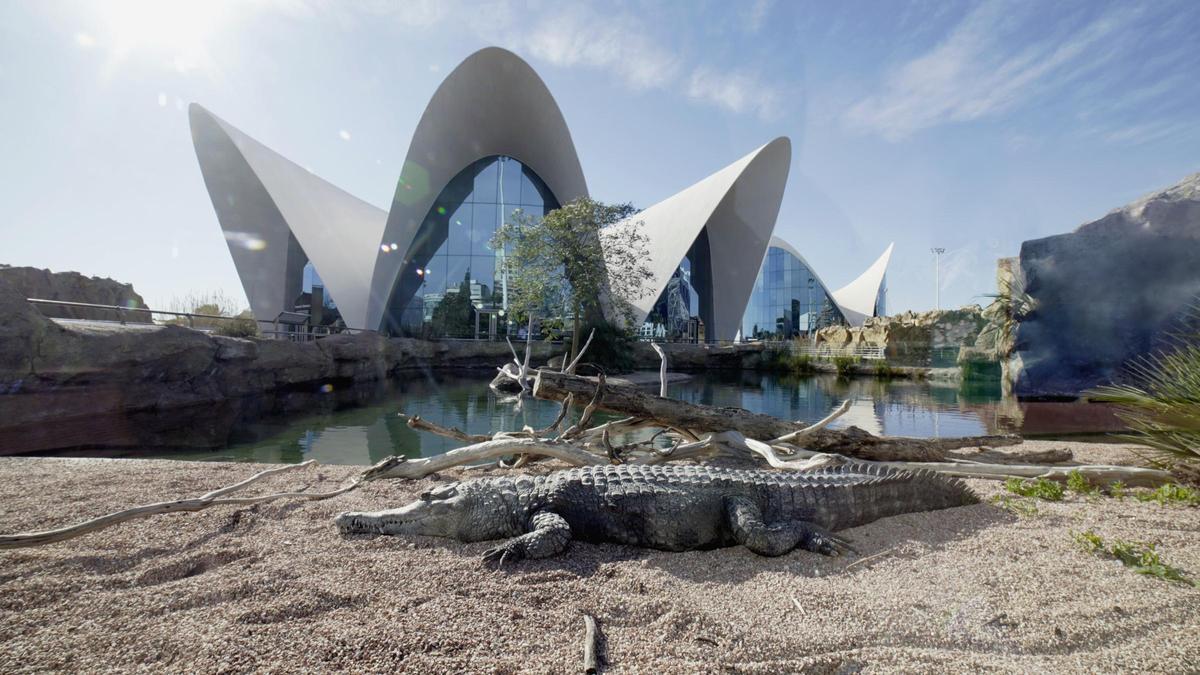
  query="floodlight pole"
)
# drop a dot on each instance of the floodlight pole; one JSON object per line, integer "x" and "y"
{"x": 937, "y": 276}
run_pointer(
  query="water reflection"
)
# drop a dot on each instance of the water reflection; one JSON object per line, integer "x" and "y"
{"x": 365, "y": 434}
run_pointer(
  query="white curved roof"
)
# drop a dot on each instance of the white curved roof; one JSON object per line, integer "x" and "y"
{"x": 493, "y": 103}
{"x": 260, "y": 197}
{"x": 857, "y": 298}
{"x": 737, "y": 206}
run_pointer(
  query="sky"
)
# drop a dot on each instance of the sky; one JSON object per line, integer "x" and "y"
{"x": 967, "y": 126}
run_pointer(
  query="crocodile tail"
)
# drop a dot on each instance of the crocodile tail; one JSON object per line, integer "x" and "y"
{"x": 885, "y": 492}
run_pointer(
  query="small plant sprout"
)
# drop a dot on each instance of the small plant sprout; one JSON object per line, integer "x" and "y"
{"x": 1117, "y": 489}
{"x": 1040, "y": 488}
{"x": 1079, "y": 484}
{"x": 1171, "y": 493}
{"x": 1141, "y": 557}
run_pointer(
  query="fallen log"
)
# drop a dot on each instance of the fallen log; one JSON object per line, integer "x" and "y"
{"x": 697, "y": 418}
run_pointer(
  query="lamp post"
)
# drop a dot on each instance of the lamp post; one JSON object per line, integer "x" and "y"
{"x": 937, "y": 276}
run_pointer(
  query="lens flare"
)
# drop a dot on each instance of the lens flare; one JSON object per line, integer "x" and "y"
{"x": 247, "y": 240}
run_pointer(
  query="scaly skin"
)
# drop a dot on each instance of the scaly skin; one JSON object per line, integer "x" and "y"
{"x": 668, "y": 507}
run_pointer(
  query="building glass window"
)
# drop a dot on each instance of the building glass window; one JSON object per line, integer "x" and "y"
{"x": 453, "y": 276}
{"x": 683, "y": 310}
{"x": 787, "y": 301}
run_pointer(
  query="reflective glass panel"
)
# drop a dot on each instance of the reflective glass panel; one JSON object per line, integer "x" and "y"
{"x": 453, "y": 244}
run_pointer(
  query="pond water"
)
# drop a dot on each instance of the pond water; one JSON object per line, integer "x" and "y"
{"x": 365, "y": 434}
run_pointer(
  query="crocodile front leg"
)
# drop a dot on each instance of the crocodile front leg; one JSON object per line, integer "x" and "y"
{"x": 746, "y": 522}
{"x": 548, "y": 535}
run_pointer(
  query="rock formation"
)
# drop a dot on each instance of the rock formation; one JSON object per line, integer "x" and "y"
{"x": 910, "y": 338}
{"x": 108, "y": 386}
{"x": 31, "y": 282}
{"x": 1108, "y": 293}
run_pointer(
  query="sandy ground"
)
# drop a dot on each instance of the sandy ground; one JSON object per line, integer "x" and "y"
{"x": 275, "y": 588}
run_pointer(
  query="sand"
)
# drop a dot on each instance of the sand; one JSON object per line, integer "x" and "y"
{"x": 274, "y": 588}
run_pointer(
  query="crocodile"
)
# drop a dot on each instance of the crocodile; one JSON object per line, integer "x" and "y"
{"x": 667, "y": 507}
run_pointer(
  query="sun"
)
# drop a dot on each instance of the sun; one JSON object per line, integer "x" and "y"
{"x": 176, "y": 31}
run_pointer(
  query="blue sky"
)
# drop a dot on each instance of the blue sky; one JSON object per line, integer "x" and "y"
{"x": 971, "y": 126}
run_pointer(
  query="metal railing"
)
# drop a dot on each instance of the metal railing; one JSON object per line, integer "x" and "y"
{"x": 827, "y": 351}
{"x": 296, "y": 332}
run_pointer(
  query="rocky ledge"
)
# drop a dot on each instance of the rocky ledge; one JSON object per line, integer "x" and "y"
{"x": 96, "y": 385}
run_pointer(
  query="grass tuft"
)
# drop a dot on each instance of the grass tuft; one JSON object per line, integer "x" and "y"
{"x": 1040, "y": 488}
{"x": 1171, "y": 493}
{"x": 1117, "y": 489}
{"x": 1079, "y": 484}
{"x": 1020, "y": 507}
{"x": 1141, "y": 557}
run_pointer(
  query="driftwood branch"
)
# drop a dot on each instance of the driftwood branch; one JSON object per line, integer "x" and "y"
{"x": 591, "y": 638}
{"x": 415, "y": 422}
{"x": 695, "y": 419}
{"x": 401, "y": 467}
{"x": 820, "y": 424}
{"x": 1098, "y": 474}
{"x": 214, "y": 498}
{"x": 569, "y": 369}
{"x": 662, "y": 369}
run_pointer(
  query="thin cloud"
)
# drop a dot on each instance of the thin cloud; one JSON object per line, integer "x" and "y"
{"x": 739, "y": 92}
{"x": 974, "y": 73}
{"x": 754, "y": 15}
{"x": 582, "y": 37}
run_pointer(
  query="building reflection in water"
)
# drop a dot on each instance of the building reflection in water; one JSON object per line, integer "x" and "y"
{"x": 362, "y": 428}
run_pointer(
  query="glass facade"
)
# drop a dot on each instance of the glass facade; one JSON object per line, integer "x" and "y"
{"x": 452, "y": 273}
{"x": 788, "y": 301}
{"x": 312, "y": 289}
{"x": 684, "y": 308}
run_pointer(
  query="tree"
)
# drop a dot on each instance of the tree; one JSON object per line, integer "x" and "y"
{"x": 453, "y": 314}
{"x": 558, "y": 264}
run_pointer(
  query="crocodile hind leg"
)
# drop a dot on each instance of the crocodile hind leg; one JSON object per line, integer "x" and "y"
{"x": 548, "y": 535}
{"x": 750, "y": 530}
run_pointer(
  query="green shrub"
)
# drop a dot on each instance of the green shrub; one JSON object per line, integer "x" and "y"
{"x": 239, "y": 327}
{"x": 1039, "y": 488}
{"x": 845, "y": 365}
{"x": 611, "y": 348}
{"x": 1141, "y": 557}
{"x": 884, "y": 371}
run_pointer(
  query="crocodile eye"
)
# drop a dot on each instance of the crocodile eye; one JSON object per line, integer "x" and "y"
{"x": 440, "y": 492}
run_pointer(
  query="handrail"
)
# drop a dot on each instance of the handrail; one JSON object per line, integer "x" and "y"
{"x": 315, "y": 331}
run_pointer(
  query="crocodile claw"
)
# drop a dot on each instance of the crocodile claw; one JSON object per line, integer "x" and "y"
{"x": 828, "y": 544}
{"x": 499, "y": 554}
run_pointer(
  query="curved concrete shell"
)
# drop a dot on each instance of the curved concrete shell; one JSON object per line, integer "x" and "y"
{"x": 277, "y": 216}
{"x": 732, "y": 213}
{"x": 493, "y": 103}
{"x": 858, "y": 298}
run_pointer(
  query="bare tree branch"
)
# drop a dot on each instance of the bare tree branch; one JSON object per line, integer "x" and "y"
{"x": 214, "y": 498}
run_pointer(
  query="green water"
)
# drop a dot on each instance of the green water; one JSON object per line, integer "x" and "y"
{"x": 365, "y": 433}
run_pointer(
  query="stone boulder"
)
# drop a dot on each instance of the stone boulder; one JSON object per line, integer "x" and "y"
{"x": 31, "y": 282}
{"x": 1108, "y": 293}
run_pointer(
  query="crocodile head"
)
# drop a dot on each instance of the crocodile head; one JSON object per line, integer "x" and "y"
{"x": 463, "y": 511}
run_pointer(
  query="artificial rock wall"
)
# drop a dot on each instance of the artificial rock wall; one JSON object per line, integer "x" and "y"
{"x": 1108, "y": 293}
